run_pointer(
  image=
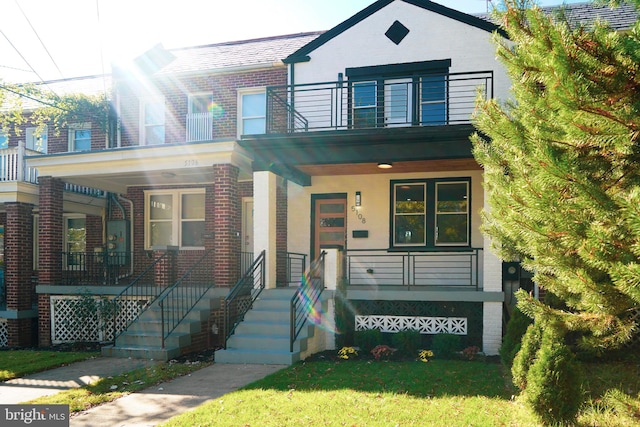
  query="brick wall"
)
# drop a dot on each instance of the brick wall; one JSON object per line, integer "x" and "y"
{"x": 227, "y": 225}
{"x": 223, "y": 88}
{"x": 281, "y": 232}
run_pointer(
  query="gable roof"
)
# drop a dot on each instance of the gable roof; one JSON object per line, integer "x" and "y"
{"x": 301, "y": 54}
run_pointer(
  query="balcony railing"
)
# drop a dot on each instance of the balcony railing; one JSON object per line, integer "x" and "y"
{"x": 416, "y": 101}
{"x": 199, "y": 127}
{"x": 13, "y": 167}
{"x": 101, "y": 268}
{"x": 415, "y": 270}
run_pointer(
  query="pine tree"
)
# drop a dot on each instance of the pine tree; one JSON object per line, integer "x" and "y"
{"x": 562, "y": 170}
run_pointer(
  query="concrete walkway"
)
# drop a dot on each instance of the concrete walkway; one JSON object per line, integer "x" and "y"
{"x": 148, "y": 407}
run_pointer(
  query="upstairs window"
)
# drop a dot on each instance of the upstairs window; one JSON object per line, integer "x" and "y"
{"x": 253, "y": 112}
{"x": 153, "y": 112}
{"x": 80, "y": 137}
{"x": 430, "y": 213}
{"x": 36, "y": 139}
{"x": 365, "y": 104}
{"x": 433, "y": 100}
{"x": 4, "y": 140}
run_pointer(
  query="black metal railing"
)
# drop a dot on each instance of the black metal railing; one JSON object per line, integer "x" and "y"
{"x": 295, "y": 267}
{"x": 142, "y": 292}
{"x": 246, "y": 259}
{"x": 427, "y": 100}
{"x": 241, "y": 297}
{"x": 414, "y": 270}
{"x": 179, "y": 299}
{"x": 306, "y": 297}
{"x": 101, "y": 268}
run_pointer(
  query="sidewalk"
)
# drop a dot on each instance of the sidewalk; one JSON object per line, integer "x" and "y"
{"x": 148, "y": 407}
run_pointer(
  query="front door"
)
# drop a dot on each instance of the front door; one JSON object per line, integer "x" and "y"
{"x": 330, "y": 223}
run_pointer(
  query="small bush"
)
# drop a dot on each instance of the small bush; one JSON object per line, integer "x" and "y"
{"x": 367, "y": 340}
{"x": 512, "y": 341}
{"x": 525, "y": 356}
{"x": 553, "y": 382}
{"x": 407, "y": 342}
{"x": 382, "y": 352}
{"x": 445, "y": 346}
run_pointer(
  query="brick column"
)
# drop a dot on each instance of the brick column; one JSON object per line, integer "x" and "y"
{"x": 165, "y": 269}
{"x": 51, "y": 238}
{"x": 227, "y": 223}
{"x": 18, "y": 271}
{"x": 282, "y": 275}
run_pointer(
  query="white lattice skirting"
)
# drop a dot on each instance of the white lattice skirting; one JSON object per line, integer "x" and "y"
{"x": 66, "y": 326}
{"x": 426, "y": 325}
{"x": 4, "y": 333}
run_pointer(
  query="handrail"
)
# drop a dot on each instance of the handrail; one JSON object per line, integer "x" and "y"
{"x": 180, "y": 298}
{"x": 241, "y": 297}
{"x": 141, "y": 286}
{"x": 306, "y": 297}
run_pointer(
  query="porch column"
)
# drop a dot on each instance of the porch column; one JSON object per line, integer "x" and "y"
{"x": 282, "y": 274}
{"x": 264, "y": 222}
{"x": 18, "y": 271}
{"x": 227, "y": 222}
{"x": 50, "y": 249}
{"x": 492, "y": 311}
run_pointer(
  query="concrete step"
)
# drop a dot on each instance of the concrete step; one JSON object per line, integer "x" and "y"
{"x": 269, "y": 342}
{"x": 141, "y": 352}
{"x": 186, "y": 326}
{"x": 130, "y": 338}
{"x": 267, "y": 357}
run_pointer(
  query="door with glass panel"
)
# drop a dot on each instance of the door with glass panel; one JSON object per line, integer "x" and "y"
{"x": 330, "y": 224}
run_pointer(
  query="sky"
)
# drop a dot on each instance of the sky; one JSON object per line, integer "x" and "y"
{"x": 44, "y": 40}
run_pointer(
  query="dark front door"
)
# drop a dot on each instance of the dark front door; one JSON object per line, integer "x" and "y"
{"x": 330, "y": 224}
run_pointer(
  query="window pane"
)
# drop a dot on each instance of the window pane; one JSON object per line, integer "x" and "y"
{"x": 452, "y": 197}
{"x": 199, "y": 104}
{"x": 193, "y": 206}
{"x": 82, "y": 140}
{"x": 452, "y": 228}
{"x": 331, "y": 222}
{"x": 192, "y": 232}
{"x": 160, "y": 234}
{"x": 154, "y": 135}
{"x": 364, "y": 117}
{"x": 364, "y": 94}
{"x": 332, "y": 208}
{"x": 409, "y": 229}
{"x": 254, "y": 126}
{"x": 4, "y": 141}
{"x": 433, "y": 114}
{"x": 161, "y": 207}
{"x": 331, "y": 236}
{"x": 76, "y": 234}
{"x": 398, "y": 108}
{"x": 154, "y": 113}
{"x": 433, "y": 88}
{"x": 410, "y": 198}
{"x": 254, "y": 105}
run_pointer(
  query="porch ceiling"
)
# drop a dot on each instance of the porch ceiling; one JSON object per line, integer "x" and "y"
{"x": 117, "y": 169}
{"x": 398, "y": 167}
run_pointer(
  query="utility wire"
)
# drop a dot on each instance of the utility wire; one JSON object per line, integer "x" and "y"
{"x": 39, "y": 39}
{"x": 21, "y": 55}
{"x": 104, "y": 82}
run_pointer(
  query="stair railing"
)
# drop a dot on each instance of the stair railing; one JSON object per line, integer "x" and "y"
{"x": 142, "y": 286}
{"x": 241, "y": 297}
{"x": 304, "y": 301}
{"x": 180, "y": 298}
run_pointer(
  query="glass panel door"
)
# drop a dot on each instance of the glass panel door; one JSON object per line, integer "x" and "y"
{"x": 330, "y": 224}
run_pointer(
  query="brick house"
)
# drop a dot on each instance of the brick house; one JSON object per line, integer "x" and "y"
{"x": 234, "y": 168}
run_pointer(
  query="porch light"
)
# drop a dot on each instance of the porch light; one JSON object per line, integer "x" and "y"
{"x": 358, "y": 199}
{"x": 385, "y": 165}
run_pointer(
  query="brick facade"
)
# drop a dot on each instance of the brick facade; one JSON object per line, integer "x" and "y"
{"x": 282, "y": 277}
{"x": 226, "y": 225}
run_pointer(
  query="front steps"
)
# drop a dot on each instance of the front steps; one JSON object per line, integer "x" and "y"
{"x": 143, "y": 338}
{"x": 263, "y": 336}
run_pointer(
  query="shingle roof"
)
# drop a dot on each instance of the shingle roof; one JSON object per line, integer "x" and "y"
{"x": 619, "y": 18}
{"x": 244, "y": 53}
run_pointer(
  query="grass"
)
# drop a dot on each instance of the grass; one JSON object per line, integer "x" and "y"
{"x": 375, "y": 393}
{"x": 18, "y": 363}
{"x": 111, "y": 388}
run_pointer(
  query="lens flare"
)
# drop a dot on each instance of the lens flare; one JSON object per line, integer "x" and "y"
{"x": 216, "y": 110}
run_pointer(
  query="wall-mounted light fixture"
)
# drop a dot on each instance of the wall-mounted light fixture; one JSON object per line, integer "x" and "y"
{"x": 385, "y": 165}
{"x": 358, "y": 199}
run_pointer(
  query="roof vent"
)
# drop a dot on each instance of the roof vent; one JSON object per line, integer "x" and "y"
{"x": 397, "y": 32}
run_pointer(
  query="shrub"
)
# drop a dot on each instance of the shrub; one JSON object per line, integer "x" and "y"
{"x": 512, "y": 341}
{"x": 525, "y": 356}
{"x": 470, "y": 353}
{"x": 445, "y": 346}
{"x": 383, "y": 352}
{"x": 407, "y": 342}
{"x": 368, "y": 339}
{"x": 553, "y": 382}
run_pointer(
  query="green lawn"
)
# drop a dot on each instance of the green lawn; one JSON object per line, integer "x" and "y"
{"x": 375, "y": 393}
{"x": 18, "y": 363}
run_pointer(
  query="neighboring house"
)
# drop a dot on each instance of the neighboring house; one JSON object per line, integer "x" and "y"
{"x": 350, "y": 146}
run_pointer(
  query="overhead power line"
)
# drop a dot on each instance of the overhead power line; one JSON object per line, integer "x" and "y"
{"x": 21, "y": 55}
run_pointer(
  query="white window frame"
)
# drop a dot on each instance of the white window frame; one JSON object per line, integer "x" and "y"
{"x": 144, "y": 126}
{"x": 32, "y": 142}
{"x": 241, "y": 119}
{"x": 176, "y": 217}
{"x": 72, "y": 135}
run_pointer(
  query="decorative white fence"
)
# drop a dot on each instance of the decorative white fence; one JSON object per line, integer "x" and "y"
{"x": 13, "y": 167}
{"x": 4, "y": 333}
{"x": 72, "y": 322}
{"x": 425, "y": 325}
{"x": 199, "y": 127}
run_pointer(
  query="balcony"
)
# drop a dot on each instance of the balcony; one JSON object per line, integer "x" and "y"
{"x": 416, "y": 101}
{"x": 199, "y": 127}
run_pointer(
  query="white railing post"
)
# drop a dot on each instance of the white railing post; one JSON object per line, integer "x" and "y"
{"x": 21, "y": 163}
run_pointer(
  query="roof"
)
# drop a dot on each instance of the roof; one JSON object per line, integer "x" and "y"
{"x": 619, "y": 18}
{"x": 236, "y": 54}
{"x": 301, "y": 54}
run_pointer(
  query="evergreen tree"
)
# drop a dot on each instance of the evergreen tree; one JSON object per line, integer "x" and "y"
{"x": 562, "y": 169}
